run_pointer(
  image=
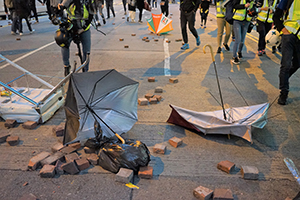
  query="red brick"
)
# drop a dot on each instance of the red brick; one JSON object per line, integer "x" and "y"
{"x": 151, "y": 79}
{"x": 226, "y": 166}
{"x": 70, "y": 167}
{"x": 142, "y": 101}
{"x": 158, "y": 97}
{"x": 249, "y": 172}
{"x": 29, "y": 196}
{"x": 3, "y": 137}
{"x": 147, "y": 40}
{"x": 158, "y": 90}
{"x": 82, "y": 164}
{"x": 202, "y": 193}
{"x": 58, "y": 169}
{"x": 175, "y": 141}
{"x": 53, "y": 158}
{"x": 93, "y": 158}
{"x": 56, "y": 147}
{"x": 173, "y": 80}
{"x": 75, "y": 145}
{"x": 148, "y": 96}
{"x": 89, "y": 150}
{"x": 159, "y": 148}
{"x": 124, "y": 175}
{"x": 59, "y": 130}
{"x": 35, "y": 161}
{"x": 71, "y": 157}
{"x": 10, "y": 123}
{"x": 12, "y": 140}
{"x": 67, "y": 150}
{"x": 126, "y": 46}
{"x": 48, "y": 171}
{"x": 121, "y": 39}
{"x": 153, "y": 101}
{"x": 29, "y": 125}
{"x": 133, "y": 34}
{"x": 146, "y": 172}
{"x": 223, "y": 194}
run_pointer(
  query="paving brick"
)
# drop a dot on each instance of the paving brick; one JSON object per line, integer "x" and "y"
{"x": 202, "y": 193}
{"x": 58, "y": 169}
{"x": 147, "y": 40}
{"x": 35, "y": 161}
{"x": 142, "y": 101}
{"x": 124, "y": 175}
{"x": 48, "y": 171}
{"x": 29, "y": 196}
{"x": 146, "y": 172}
{"x": 75, "y": 145}
{"x": 158, "y": 97}
{"x": 67, "y": 150}
{"x": 121, "y": 39}
{"x": 160, "y": 148}
{"x": 70, "y": 167}
{"x": 133, "y": 34}
{"x": 249, "y": 172}
{"x": 175, "y": 141}
{"x": 153, "y": 101}
{"x": 222, "y": 194}
{"x": 56, "y": 147}
{"x": 148, "y": 96}
{"x": 82, "y": 163}
{"x": 10, "y": 123}
{"x": 93, "y": 158}
{"x": 3, "y": 137}
{"x": 226, "y": 166}
{"x": 151, "y": 79}
{"x": 173, "y": 80}
{"x": 58, "y": 130}
{"x": 126, "y": 46}
{"x": 89, "y": 150}
{"x": 158, "y": 90}
{"x": 30, "y": 125}
{"x": 71, "y": 157}
{"x": 12, "y": 140}
{"x": 53, "y": 158}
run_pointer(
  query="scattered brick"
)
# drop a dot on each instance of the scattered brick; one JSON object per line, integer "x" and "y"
{"x": 58, "y": 169}
{"x": 155, "y": 40}
{"x": 93, "y": 158}
{"x": 168, "y": 41}
{"x": 75, "y": 145}
{"x": 29, "y": 125}
{"x": 142, "y": 101}
{"x": 158, "y": 97}
{"x": 160, "y": 148}
{"x": 133, "y": 34}
{"x": 226, "y": 166}
{"x": 250, "y": 172}
{"x": 70, "y": 167}
{"x": 10, "y": 123}
{"x": 124, "y": 175}
{"x": 113, "y": 23}
{"x": 53, "y": 158}
{"x": 89, "y": 150}
{"x": 26, "y": 183}
{"x": 35, "y": 161}
{"x": 153, "y": 101}
{"x": 146, "y": 172}
{"x": 67, "y": 150}
{"x": 173, "y": 80}
{"x": 29, "y": 196}
{"x": 18, "y": 38}
{"x": 158, "y": 90}
{"x": 178, "y": 40}
{"x": 202, "y": 193}
{"x": 151, "y": 79}
{"x": 82, "y": 164}
{"x": 126, "y": 46}
{"x": 175, "y": 141}
{"x": 121, "y": 39}
{"x": 3, "y": 137}
{"x": 59, "y": 130}
{"x": 222, "y": 194}
{"x": 12, "y": 140}
{"x": 71, "y": 157}
{"x": 56, "y": 147}
{"x": 148, "y": 96}
{"x": 147, "y": 40}
{"x": 48, "y": 171}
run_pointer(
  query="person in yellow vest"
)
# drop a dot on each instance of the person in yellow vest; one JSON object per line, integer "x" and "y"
{"x": 266, "y": 9}
{"x": 221, "y": 23}
{"x": 287, "y": 21}
{"x": 240, "y": 26}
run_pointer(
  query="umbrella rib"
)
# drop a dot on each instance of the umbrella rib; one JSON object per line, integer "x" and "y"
{"x": 221, "y": 105}
{"x": 238, "y": 91}
{"x": 124, "y": 114}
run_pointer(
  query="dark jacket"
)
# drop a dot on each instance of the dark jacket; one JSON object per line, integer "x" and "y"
{"x": 278, "y": 16}
{"x": 237, "y": 5}
{"x": 22, "y": 8}
{"x": 140, "y": 4}
{"x": 189, "y": 5}
{"x": 205, "y": 5}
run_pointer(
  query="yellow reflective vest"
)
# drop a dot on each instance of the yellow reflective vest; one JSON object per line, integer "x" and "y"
{"x": 220, "y": 10}
{"x": 292, "y": 23}
{"x": 241, "y": 14}
{"x": 266, "y": 16}
{"x": 83, "y": 18}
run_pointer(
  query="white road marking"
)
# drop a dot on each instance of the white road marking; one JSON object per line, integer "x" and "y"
{"x": 167, "y": 58}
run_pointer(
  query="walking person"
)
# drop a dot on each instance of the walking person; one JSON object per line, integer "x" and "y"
{"x": 124, "y": 6}
{"x": 266, "y": 8}
{"x": 23, "y": 12}
{"x": 99, "y": 8}
{"x": 204, "y": 10}
{"x": 222, "y": 23}
{"x": 164, "y": 6}
{"x": 32, "y": 6}
{"x": 131, "y": 10}
{"x": 140, "y": 5}
{"x": 240, "y": 26}
{"x": 287, "y": 22}
{"x": 154, "y": 4}
{"x": 110, "y": 6}
{"x": 188, "y": 10}
{"x": 10, "y": 4}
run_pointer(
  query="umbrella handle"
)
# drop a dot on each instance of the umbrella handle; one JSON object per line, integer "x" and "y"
{"x": 211, "y": 51}
{"x": 120, "y": 138}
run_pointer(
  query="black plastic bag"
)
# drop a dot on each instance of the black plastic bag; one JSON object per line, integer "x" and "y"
{"x": 132, "y": 155}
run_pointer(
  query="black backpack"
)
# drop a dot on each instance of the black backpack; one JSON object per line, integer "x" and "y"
{"x": 229, "y": 11}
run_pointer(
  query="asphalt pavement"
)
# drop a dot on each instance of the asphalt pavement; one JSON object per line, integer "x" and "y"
{"x": 181, "y": 169}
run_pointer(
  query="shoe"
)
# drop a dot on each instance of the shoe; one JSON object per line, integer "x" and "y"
{"x": 226, "y": 47}
{"x": 107, "y": 17}
{"x": 128, "y": 19}
{"x": 274, "y": 49}
{"x": 240, "y": 55}
{"x": 282, "y": 99}
{"x": 263, "y": 51}
{"x": 201, "y": 25}
{"x": 185, "y": 46}
{"x": 125, "y": 13}
{"x": 204, "y": 26}
{"x": 67, "y": 70}
{"x": 32, "y": 31}
{"x": 198, "y": 42}
{"x": 233, "y": 38}
{"x": 13, "y": 33}
{"x": 36, "y": 22}
{"x": 235, "y": 60}
{"x": 219, "y": 50}
{"x": 259, "y": 53}
{"x": 104, "y": 22}
{"x": 98, "y": 23}
{"x": 140, "y": 21}
{"x": 21, "y": 34}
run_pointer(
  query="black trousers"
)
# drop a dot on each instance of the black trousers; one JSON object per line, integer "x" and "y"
{"x": 263, "y": 28}
{"x": 165, "y": 9}
{"x": 33, "y": 9}
{"x": 187, "y": 18}
{"x": 110, "y": 6}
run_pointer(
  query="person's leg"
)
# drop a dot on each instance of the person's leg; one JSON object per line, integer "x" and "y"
{"x": 14, "y": 19}
{"x": 205, "y": 19}
{"x": 28, "y": 24}
{"x": 191, "y": 24}
{"x": 107, "y": 8}
{"x": 244, "y": 29}
{"x": 228, "y": 30}
{"x": 220, "y": 24}
{"x": 85, "y": 38}
{"x": 140, "y": 14}
{"x": 261, "y": 31}
{"x": 124, "y": 6}
{"x": 183, "y": 22}
{"x": 296, "y": 57}
{"x": 112, "y": 7}
{"x": 33, "y": 8}
{"x": 20, "y": 25}
{"x": 167, "y": 10}
{"x": 48, "y": 9}
{"x": 237, "y": 33}
{"x": 268, "y": 27}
